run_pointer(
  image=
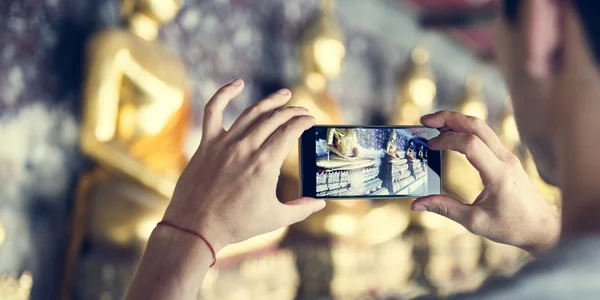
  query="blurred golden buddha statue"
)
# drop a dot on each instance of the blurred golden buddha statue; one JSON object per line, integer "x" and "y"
{"x": 508, "y": 131}
{"x": 416, "y": 96}
{"x": 453, "y": 263}
{"x": 505, "y": 258}
{"x": 460, "y": 178}
{"x": 509, "y": 135}
{"x": 135, "y": 121}
{"x": 322, "y": 55}
{"x": 417, "y": 90}
{"x": 551, "y": 193}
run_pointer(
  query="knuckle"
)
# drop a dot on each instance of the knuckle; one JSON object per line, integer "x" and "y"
{"x": 210, "y": 109}
{"x": 475, "y": 123}
{"x": 471, "y": 143}
{"x": 442, "y": 210}
{"x": 236, "y": 152}
{"x": 263, "y": 158}
{"x": 261, "y": 106}
{"x": 474, "y": 220}
{"x": 261, "y": 163}
{"x": 445, "y": 113}
{"x": 513, "y": 161}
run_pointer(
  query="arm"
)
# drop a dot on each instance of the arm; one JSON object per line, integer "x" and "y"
{"x": 509, "y": 210}
{"x": 102, "y": 88}
{"x": 172, "y": 267}
{"x": 225, "y": 207}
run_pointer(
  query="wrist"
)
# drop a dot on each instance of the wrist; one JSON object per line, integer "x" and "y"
{"x": 203, "y": 225}
{"x": 547, "y": 237}
{"x": 183, "y": 246}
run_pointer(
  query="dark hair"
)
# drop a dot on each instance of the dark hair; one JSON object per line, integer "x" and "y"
{"x": 589, "y": 16}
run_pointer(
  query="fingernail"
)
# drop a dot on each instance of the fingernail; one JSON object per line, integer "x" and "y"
{"x": 419, "y": 207}
{"x": 427, "y": 116}
{"x": 283, "y": 92}
{"x": 236, "y": 82}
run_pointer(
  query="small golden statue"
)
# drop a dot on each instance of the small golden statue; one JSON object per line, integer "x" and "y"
{"x": 391, "y": 149}
{"x": 16, "y": 289}
{"x": 417, "y": 90}
{"x": 135, "y": 121}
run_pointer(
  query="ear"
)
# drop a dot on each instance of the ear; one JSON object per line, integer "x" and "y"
{"x": 541, "y": 28}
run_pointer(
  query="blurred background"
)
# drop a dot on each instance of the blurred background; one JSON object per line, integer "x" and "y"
{"x": 101, "y": 106}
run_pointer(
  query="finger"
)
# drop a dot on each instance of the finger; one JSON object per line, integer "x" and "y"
{"x": 266, "y": 127}
{"x": 300, "y": 209}
{"x": 466, "y": 124}
{"x": 257, "y": 112}
{"x": 477, "y": 153}
{"x": 279, "y": 144}
{"x": 446, "y": 206}
{"x": 213, "y": 112}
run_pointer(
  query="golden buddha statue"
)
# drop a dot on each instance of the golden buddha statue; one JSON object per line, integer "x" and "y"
{"x": 509, "y": 135}
{"x": 453, "y": 263}
{"x": 460, "y": 178}
{"x": 417, "y": 90}
{"x": 391, "y": 148}
{"x": 344, "y": 151}
{"x": 343, "y": 142}
{"x": 551, "y": 193}
{"x": 508, "y": 131}
{"x": 135, "y": 121}
{"x": 416, "y": 96}
{"x": 322, "y": 55}
{"x": 500, "y": 257}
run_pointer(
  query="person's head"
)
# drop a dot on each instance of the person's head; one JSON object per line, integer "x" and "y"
{"x": 549, "y": 52}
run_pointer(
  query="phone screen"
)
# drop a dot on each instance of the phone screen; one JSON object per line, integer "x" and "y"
{"x": 369, "y": 162}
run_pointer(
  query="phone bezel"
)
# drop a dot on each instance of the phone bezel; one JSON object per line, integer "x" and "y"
{"x": 308, "y": 185}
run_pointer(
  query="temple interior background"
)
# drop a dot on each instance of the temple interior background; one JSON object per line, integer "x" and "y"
{"x": 86, "y": 132}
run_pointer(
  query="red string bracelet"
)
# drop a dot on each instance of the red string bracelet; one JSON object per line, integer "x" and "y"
{"x": 196, "y": 234}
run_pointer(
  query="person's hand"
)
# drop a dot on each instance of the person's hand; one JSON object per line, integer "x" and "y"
{"x": 509, "y": 210}
{"x": 227, "y": 191}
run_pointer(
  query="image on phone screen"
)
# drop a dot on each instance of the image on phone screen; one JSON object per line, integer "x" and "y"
{"x": 369, "y": 162}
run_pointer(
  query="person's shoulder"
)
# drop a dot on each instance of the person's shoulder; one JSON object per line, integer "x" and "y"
{"x": 570, "y": 271}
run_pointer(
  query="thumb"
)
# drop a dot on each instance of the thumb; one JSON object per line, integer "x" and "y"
{"x": 301, "y": 208}
{"x": 443, "y": 205}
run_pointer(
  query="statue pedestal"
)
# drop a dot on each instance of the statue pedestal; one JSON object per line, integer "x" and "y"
{"x": 336, "y": 177}
{"x": 404, "y": 176}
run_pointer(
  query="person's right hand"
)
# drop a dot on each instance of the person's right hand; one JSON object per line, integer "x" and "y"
{"x": 509, "y": 210}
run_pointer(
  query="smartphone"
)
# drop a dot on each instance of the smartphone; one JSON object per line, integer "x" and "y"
{"x": 368, "y": 162}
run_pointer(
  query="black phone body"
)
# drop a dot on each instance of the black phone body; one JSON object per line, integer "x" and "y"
{"x": 369, "y": 162}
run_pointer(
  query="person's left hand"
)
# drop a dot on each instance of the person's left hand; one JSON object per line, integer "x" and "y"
{"x": 228, "y": 190}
